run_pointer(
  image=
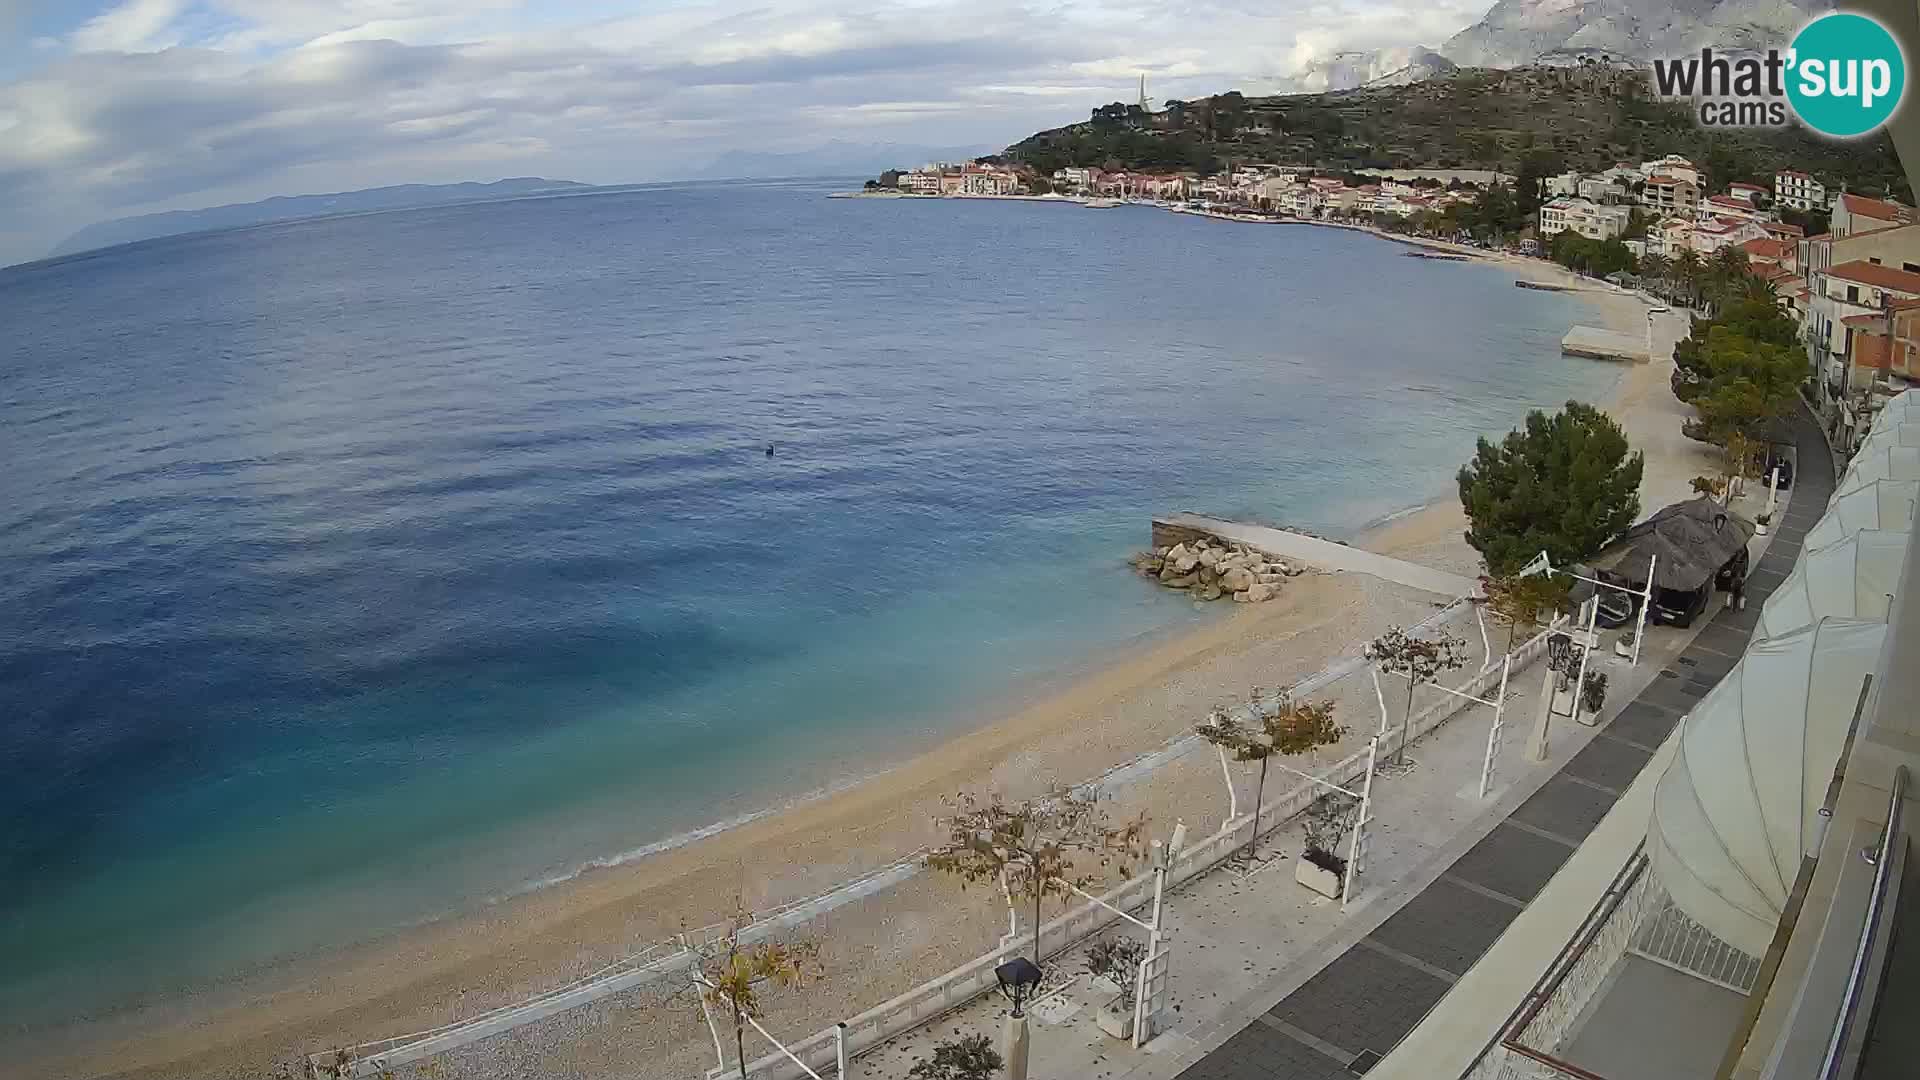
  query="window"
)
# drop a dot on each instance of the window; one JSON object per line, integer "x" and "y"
{"x": 1853, "y": 293}
{"x": 1874, "y": 259}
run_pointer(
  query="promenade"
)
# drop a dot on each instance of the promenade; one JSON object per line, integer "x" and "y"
{"x": 1339, "y": 1015}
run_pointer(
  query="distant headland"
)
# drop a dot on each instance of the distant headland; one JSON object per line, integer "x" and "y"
{"x": 126, "y": 230}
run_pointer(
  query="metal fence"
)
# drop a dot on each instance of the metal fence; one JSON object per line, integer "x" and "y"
{"x": 1667, "y": 936}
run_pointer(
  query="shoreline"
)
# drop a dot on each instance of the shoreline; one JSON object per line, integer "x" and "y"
{"x": 1067, "y": 727}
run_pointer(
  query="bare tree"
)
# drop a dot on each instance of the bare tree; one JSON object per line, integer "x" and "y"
{"x": 1291, "y": 728}
{"x": 1038, "y": 848}
{"x": 1518, "y": 601}
{"x": 1417, "y": 660}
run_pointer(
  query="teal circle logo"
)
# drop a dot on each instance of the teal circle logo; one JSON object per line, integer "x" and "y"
{"x": 1846, "y": 75}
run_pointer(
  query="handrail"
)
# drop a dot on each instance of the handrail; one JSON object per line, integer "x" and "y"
{"x": 1877, "y": 899}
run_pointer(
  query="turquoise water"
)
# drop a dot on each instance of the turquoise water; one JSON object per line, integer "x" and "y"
{"x": 366, "y": 569}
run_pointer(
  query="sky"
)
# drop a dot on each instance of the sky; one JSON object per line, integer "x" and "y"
{"x": 112, "y": 107}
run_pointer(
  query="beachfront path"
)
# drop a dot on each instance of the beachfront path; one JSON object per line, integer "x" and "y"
{"x": 1332, "y": 1016}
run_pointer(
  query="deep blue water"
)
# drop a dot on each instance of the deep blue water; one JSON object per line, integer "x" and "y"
{"x": 360, "y": 569}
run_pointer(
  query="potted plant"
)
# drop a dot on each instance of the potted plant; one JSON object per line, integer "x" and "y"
{"x": 1326, "y": 822}
{"x": 1593, "y": 692}
{"x": 1761, "y": 522}
{"x": 1623, "y": 645}
{"x": 1117, "y": 960}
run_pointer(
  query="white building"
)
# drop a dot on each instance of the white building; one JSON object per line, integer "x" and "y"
{"x": 1588, "y": 218}
{"x": 1600, "y": 189}
{"x": 1666, "y": 193}
{"x": 1710, "y": 236}
{"x": 1798, "y": 190}
{"x": 920, "y": 182}
{"x": 1671, "y": 165}
{"x": 1727, "y": 206}
{"x": 1567, "y": 183}
{"x": 1746, "y": 193}
{"x": 985, "y": 180}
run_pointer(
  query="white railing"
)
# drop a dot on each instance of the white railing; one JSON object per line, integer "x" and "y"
{"x": 1668, "y": 936}
{"x": 1528, "y": 1044}
{"x": 962, "y": 984}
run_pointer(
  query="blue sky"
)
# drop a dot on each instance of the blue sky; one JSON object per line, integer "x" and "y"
{"x": 128, "y": 106}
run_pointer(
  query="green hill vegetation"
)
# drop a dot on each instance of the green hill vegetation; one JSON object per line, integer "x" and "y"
{"x": 1541, "y": 120}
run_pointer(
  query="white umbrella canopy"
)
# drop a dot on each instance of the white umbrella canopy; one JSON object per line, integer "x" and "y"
{"x": 1900, "y": 433}
{"x": 1740, "y": 803}
{"x": 1882, "y": 462}
{"x": 1898, "y": 409}
{"x": 1875, "y": 504}
{"x": 1852, "y": 578}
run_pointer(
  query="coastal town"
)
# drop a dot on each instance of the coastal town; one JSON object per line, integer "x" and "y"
{"x": 1844, "y": 265}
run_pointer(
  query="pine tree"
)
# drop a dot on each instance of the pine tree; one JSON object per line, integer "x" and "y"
{"x": 1564, "y": 484}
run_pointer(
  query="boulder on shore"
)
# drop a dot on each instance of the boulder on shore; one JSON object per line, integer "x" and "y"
{"x": 1237, "y": 579}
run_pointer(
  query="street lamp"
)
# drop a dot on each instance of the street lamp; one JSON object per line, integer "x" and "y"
{"x": 1019, "y": 978}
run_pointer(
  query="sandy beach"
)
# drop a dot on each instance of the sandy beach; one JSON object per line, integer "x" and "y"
{"x": 872, "y": 948}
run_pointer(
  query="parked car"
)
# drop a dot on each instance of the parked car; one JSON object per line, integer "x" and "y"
{"x": 1786, "y": 471}
{"x": 1616, "y": 608}
{"x": 1673, "y": 607}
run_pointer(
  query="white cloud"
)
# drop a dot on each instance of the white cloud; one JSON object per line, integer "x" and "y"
{"x": 276, "y": 96}
{"x": 134, "y": 26}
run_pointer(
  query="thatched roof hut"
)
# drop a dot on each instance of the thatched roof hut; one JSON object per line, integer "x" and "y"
{"x": 1687, "y": 543}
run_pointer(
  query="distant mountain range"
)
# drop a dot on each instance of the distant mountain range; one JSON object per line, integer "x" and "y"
{"x": 836, "y": 158}
{"x": 1515, "y": 33}
{"x": 294, "y": 207}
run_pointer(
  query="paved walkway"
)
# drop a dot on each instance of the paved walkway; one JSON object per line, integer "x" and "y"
{"x": 1352, "y": 1012}
{"x": 1328, "y": 555}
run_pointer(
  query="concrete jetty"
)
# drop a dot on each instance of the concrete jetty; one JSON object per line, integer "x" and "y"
{"x": 1591, "y": 341}
{"x": 1313, "y": 551}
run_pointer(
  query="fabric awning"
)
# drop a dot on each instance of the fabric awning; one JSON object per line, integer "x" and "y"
{"x": 1739, "y": 805}
{"x": 1852, "y": 578}
{"x": 1686, "y": 543}
{"x": 1898, "y": 409}
{"x": 1876, "y": 504}
{"x": 1882, "y": 462}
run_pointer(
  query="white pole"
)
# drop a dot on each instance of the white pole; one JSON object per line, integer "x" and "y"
{"x": 1359, "y": 824}
{"x": 1233, "y": 800}
{"x": 1586, "y": 652}
{"x": 840, "y": 1049}
{"x": 700, "y": 985}
{"x": 782, "y": 1047}
{"x": 1493, "y": 733}
{"x": 1486, "y": 643}
{"x": 1141, "y": 1006}
{"x": 1646, "y": 601}
{"x": 1381, "y": 697}
{"x": 1773, "y": 487}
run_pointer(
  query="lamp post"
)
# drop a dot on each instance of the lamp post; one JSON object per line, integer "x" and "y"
{"x": 1019, "y": 978}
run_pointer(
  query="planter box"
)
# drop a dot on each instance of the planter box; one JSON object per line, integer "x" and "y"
{"x": 1320, "y": 880}
{"x": 1622, "y": 649}
{"x": 1116, "y": 1019}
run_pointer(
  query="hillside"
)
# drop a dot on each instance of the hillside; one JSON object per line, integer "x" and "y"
{"x": 1584, "y": 117}
{"x": 292, "y": 207}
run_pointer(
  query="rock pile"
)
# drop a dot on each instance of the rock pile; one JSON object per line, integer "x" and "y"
{"x": 1211, "y": 569}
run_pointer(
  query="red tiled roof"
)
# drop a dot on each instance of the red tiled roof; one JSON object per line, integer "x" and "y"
{"x": 1880, "y": 277}
{"x": 1767, "y": 247}
{"x": 1795, "y": 173}
{"x": 1665, "y": 179}
{"x": 1784, "y": 228}
{"x": 1879, "y": 209}
{"x": 1749, "y": 187}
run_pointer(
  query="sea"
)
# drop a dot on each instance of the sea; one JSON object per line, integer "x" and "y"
{"x": 364, "y": 570}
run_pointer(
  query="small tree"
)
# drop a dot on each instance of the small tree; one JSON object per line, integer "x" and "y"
{"x": 1518, "y": 601}
{"x": 1292, "y": 728}
{"x": 732, "y": 975}
{"x": 1417, "y": 660}
{"x": 1564, "y": 484}
{"x": 1118, "y": 960}
{"x": 1038, "y": 848}
{"x": 1326, "y": 822}
{"x": 970, "y": 1057}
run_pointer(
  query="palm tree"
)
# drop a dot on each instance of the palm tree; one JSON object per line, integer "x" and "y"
{"x": 1686, "y": 276}
{"x": 1655, "y": 267}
